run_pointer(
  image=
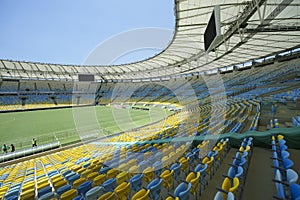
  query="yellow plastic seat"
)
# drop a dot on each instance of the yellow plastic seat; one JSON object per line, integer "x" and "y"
{"x": 92, "y": 175}
{"x": 112, "y": 173}
{"x": 75, "y": 168}
{"x": 57, "y": 179}
{"x": 27, "y": 195}
{"x": 185, "y": 163}
{"x": 78, "y": 182}
{"x": 134, "y": 169}
{"x": 236, "y": 184}
{"x": 121, "y": 177}
{"x": 40, "y": 186}
{"x": 226, "y": 185}
{"x": 167, "y": 178}
{"x": 59, "y": 184}
{"x": 98, "y": 180}
{"x": 42, "y": 180}
{"x": 108, "y": 196}
{"x": 123, "y": 190}
{"x": 131, "y": 163}
{"x": 69, "y": 195}
{"x": 81, "y": 170}
{"x": 280, "y": 137}
{"x": 123, "y": 167}
{"x": 209, "y": 163}
{"x": 86, "y": 172}
{"x": 193, "y": 178}
{"x": 148, "y": 174}
{"x": 147, "y": 155}
{"x": 141, "y": 195}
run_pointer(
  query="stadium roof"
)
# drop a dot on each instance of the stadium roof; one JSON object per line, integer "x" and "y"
{"x": 250, "y": 30}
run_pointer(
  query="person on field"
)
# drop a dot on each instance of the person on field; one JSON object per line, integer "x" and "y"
{"x": 34, "y": 143}
{"x": 4, "y": 148}
{"x": 12, "y": 148}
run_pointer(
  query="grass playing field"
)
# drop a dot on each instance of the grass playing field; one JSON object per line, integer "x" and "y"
{"x": 20, "y": 126}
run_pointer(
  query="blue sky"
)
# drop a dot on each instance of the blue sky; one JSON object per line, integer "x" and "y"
{"x": 66, "y": 31}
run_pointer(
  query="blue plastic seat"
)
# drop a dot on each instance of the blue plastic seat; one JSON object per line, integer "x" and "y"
{"x": 104, "y": 170}
{"x": 69, "y": 175}
{"x": 44, "y": 190}
{"x": 235, "y": 172}
{"x": 295, "y": 191}
{"x": 155, "y": 188}
{"x": 136, "y": 182}
{"x": 73, "y": 178}
{"x": 183, "y": 191}
{"x": 64, "y": 174}
{"x": 176, "y": 168}
{"x": 143, "y": 165}
{"x": 78, "y": 198}
{"x": 202, "y": 169}
{"x": 291, "y": 176}
{"x": 219, "y": 196}
{"x": 287, "y": 163}
{"x": 63, "y": 189}
{"x": 84, "y": 187}
{"x": 94, "y": 193}
{"x": 285, "y": 154}
{"x": 11, "y": 193}
{"x": 109, "y": 185}
{"x": 157, "y": 167}
{"x": 47, "y": 196}
{"x": 12, "y": 198}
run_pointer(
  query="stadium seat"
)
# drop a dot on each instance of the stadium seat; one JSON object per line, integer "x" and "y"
{"x": 78, "y": 182}
{"x": 167, "y": 178}
{"x": 123, "y": 190}
{"x": 182, "y": 191}
{"x": 155, "y": 187}
{"x": 94, "y": 193}
{"x": 63, "y": 189}
{"x": 194, "y": 179}
{"x": 121, "y": 177}
{"x": 47, "y": 196}
{"x": 108, "y": 196}
{"x": 69, "y": 195}
{"x": 44, "y": 190}
{"x": 142, "y": 194}
{"x": 109, "y": 185}
{"x": 98, "y": 180}
{"x": 136, "y": 182}
{"x": 84, "y": 187}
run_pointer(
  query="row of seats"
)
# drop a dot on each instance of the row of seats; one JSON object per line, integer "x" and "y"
{"x": 69, "y": 180}
{"x": 55, "y": 166}
{"x": 285, "y": 177}
{"x": 234, "y": 180}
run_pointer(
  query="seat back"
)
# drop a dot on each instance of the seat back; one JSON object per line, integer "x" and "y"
{"x": 136, "y": 182}
{"x": 84, "y": 187}
{"x": 123, "y": 190}
{"x": 109, "y": 185}
{"x": 236, "y": 184}
{"x": 155, "y": 188}
{"x": 141, "y": 195}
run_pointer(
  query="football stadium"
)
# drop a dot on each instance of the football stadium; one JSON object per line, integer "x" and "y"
{"x": 214, "y": 115}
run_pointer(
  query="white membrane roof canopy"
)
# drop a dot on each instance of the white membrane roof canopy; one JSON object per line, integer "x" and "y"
{"x": 249, "y": 30}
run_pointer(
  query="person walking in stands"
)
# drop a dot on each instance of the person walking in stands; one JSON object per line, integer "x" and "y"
{"x": 34, "y": 143}
{"x": 12, "y": 148}
{"x": 4, "y": 148}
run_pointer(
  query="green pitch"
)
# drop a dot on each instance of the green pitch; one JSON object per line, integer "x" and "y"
{"x": 23, "y": 126}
